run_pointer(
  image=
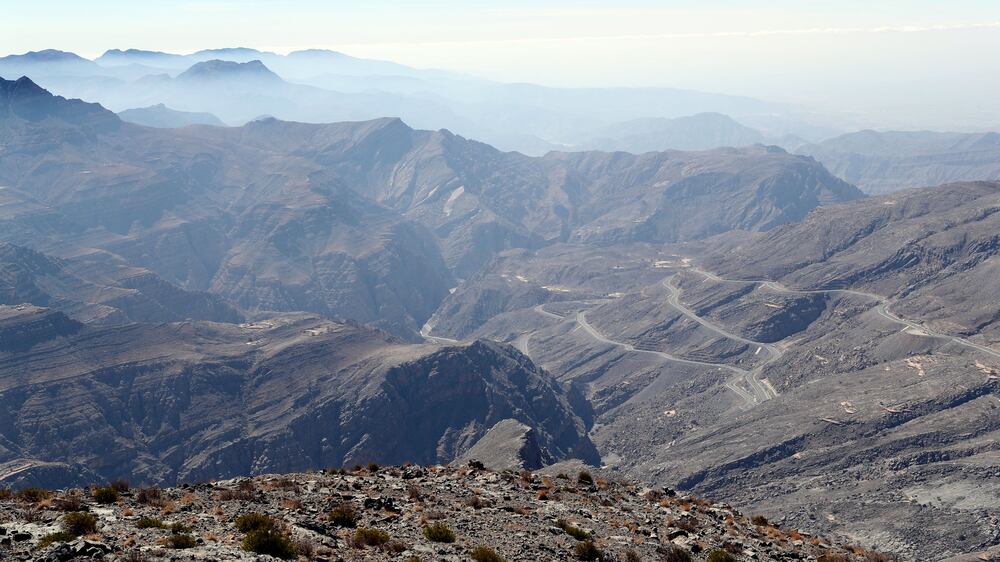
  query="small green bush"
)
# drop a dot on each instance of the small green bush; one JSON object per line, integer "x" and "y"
{"x": 106, "y": 495}
{"x": 79, "y": 523}
{"x": 584, "y": 478}
{"x": 179, "y": 542}
{"x": 485, "y": 554}
{"x": 439, "y": 532}
{"x": 254, "y": 522}
{"x": 33, "y": 495}
{"x": 370, "y": 537}
{"x": 759, "y": 520}
{"x": 120, "y": 485}
{"x": 61, "y": 536}
{"x": 179, "y": 528}
{"x": 587, "y": 550}
{"x": 149, "y": 523}
{"x": 720, "y": 555}
{"x": 269, "y": 541}
{"x": 675, "y": 554}
{"x": 344, "y": 516}
{"x": 373, "y": 467}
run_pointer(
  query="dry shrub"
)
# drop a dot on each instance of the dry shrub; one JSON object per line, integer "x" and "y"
{"x": 526, "y": 478}
{"x": 236, "y": 495}
{"x": 476, "y": 502}
{"x": 369, "y": 537}
{"x": 305, "y": 547}
{"x": 150, "y": 496}
{"x": 69, "y": 502}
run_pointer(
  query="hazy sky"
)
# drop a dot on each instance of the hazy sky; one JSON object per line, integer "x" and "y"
{"x": 892, "y": 58}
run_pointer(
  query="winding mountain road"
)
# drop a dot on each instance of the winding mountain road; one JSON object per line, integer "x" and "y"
{"x": 756, "y": 391}
{"x": 750, "y": 399}
{"x": 882, "y": 309}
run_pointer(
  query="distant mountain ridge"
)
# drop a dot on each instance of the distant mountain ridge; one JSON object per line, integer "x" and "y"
{"x": 882, "y": 162}
{"x": 163, "y": 117}
{"x": 221, "y": 70}
{"x": 696, "y": 132}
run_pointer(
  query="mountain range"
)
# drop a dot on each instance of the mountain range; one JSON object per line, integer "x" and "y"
{"x": 323, "y": 86}
{"x": 203, "y": 302}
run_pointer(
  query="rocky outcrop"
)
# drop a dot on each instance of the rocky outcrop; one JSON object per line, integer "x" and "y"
{"x": 508, "y": 445}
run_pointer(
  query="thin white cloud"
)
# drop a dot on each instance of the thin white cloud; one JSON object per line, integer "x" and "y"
{"x": 702, "y": 34}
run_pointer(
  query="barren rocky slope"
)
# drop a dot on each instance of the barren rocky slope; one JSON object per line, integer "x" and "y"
{"x": 102, "y": 292}
{"x": 410, "y": 513}
{"x": 197, "y": 400}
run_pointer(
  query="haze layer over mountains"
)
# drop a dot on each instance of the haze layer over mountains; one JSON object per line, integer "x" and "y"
{"x": 237, "y": 85}
{"x": 672, "y": 296}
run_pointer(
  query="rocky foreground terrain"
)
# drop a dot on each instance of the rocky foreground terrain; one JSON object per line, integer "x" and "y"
{"x": 409, "y": 513}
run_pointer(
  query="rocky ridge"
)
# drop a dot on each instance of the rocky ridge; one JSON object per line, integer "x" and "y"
{"x": 398, "y": 513}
